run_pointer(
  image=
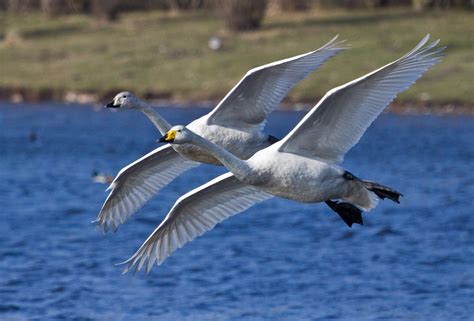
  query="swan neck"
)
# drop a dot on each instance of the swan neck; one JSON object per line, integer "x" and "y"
{"x": 159, "y": 122}
{"x": 240, "y": 168}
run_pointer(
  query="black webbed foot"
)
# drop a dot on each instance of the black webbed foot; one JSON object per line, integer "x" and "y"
{"x": 349, "y": 213}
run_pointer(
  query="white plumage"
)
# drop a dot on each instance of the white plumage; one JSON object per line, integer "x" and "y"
{"x": 339, "y": 120}
{"x": 302, "y": 167}
{"x": 236, "y": 124}
{"x": 197, "y": 212}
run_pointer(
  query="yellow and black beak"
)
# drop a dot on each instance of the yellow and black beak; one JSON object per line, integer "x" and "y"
{"x": 169, "y": 137}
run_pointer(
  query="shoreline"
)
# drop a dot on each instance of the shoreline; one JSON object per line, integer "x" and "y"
{"x": 166, "y": 99}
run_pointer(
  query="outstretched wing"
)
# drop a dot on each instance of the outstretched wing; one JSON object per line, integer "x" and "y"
{"x": 249, "y": 103}
{"x": 340, "y": 119}
{"x": 193, "y": 214}
{"x": 136, "y": 183}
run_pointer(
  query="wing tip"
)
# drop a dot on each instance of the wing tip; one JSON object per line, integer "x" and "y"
{"x": 423, "y": 49}
{"x": 105, "y": 225}
{"x": 129, "y": 264}
{"x": 335, "y": 45}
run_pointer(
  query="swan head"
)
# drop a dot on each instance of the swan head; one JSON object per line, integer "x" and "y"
{"x": 177, "y": 135}
{"x": 124, "y": 100}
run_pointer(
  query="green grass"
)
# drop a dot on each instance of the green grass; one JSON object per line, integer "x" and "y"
{"x": 163, "y": 53}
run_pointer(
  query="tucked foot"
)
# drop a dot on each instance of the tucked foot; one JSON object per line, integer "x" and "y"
{"x": 348, "y": 212}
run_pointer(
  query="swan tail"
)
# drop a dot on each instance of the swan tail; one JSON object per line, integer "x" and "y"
{"x": 366, "y": 194}
{"x": 349, "y": 213}
{"x": 383, "y": 191}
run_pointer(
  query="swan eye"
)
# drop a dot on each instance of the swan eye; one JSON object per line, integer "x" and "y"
{"x": 179, "y": 130}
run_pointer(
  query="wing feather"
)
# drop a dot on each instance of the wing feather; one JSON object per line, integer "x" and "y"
{"x": 249, "y": 103}
{"x": 136, "y": 183}
{"x": 192, "y": 215}
{"x": 342, "y": 116}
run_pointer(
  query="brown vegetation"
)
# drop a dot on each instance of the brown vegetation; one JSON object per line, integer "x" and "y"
{"x": 294, "y": 5}
{"x": 239, "y": 14}
{"x": 243, "y": 14}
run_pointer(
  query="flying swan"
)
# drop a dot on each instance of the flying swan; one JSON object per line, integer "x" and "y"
{"x": 236, "y": 124}
{"x": 302, "y": 167}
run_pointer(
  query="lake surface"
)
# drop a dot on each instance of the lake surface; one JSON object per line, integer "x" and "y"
{"x": 280, "y": 260}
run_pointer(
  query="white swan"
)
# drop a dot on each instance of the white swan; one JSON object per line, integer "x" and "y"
{"x": 235, "y": 124}
{"x": 302, "y": 167}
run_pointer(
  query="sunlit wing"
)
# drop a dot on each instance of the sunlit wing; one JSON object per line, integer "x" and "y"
{"x": 249, "y": 103}
{"x": 193, "y": 214}
{"x": 136, "y": 183}
{"x": 340, "y": 119}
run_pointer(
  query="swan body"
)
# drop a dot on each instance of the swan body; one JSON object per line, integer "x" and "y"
{"x": 303, "y": 166}
{"x": 304, "y": 179}
{"x": 291, "y": 176}
{"x": 294, "y": 177}
{"x": 238, "y": 142}
{"x": 236, "y": 124}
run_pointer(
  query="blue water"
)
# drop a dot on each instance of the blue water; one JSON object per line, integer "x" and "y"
{"x": 280, "y": 260}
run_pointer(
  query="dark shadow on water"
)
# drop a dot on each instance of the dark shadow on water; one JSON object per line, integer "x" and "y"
{"x": 387, "y": 231}
{"x": 346, "y": 235}
{"x": 147, "y": 221}
{"x": 74, "y": 211}
{"x": 9, "y": 308}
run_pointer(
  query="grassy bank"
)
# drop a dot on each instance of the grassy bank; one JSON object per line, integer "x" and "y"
{"x": 167, "y": 54}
